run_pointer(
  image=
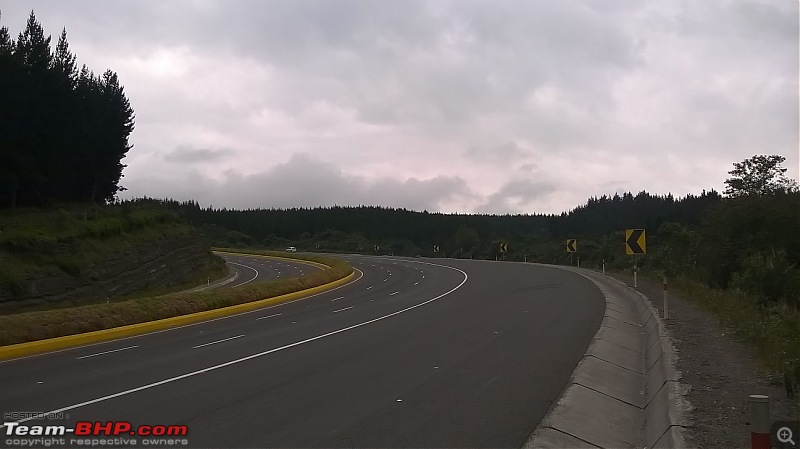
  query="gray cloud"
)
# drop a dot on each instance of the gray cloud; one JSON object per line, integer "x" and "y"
{"x": 517, "y": 196}
{"x": 187, "y": 155}
{"x": 509, "y": 153}
{"x": 459, "y": 96}
{"x": 303, "y": 181}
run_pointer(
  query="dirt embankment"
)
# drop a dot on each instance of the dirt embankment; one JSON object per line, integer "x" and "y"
{"x": 154, "y": 265}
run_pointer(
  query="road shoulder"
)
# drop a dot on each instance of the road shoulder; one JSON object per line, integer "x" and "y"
{"x": 719, "y": 372}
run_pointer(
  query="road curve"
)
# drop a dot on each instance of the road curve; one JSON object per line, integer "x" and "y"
{"x": 251, "y": 269}
{"x": 415, "y": 353}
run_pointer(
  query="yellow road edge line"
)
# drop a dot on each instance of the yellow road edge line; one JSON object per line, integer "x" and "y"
{"x": 52, "y": 344}
{"x": 264, "y": 256}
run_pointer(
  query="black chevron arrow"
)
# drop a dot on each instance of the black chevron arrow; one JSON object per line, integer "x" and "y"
{"x": 633, "y": 241}
{"x": 571, "y": 245}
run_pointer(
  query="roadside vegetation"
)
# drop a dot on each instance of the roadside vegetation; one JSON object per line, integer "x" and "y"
{"x": 24, "y": 327}
{"x": 737, "y": 252}
{"x": 73, "y": 243}
{"x": 771, "y": 329}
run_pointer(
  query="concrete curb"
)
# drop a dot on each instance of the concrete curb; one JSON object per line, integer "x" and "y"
{"x": 625, "y": 392}
{"x": 69, "y": 341}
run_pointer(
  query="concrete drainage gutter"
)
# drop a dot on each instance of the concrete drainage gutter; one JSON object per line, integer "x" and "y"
{"x": 626, "y": 391}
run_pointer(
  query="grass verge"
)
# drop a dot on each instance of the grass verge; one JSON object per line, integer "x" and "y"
{"x": 773, "y": 330}
{"x": 32, "y": 326}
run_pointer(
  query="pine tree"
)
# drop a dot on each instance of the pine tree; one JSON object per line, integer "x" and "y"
{"x": 63, "y": 60}
{"x": 33, "y": 48}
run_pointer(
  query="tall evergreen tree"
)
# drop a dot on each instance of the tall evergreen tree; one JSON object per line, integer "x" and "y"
{"x": 63, "y": 132}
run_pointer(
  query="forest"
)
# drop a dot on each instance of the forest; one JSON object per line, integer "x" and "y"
{"x": 63, "y": 130}
{"x": 746, "y": 237}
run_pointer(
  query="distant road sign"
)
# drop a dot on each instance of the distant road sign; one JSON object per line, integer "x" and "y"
{"x": 635, "y": 241}
{"x": 436, "y": 248}
{"x": 572, "y": 245}
{"x": 504, "y": 247}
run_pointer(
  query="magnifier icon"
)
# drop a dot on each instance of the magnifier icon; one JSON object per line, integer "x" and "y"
{"x": 785, "y": 435}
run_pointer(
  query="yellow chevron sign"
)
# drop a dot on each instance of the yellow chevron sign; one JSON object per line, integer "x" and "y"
{"x": 635, "y": 241}
{"x": 572, "y": 245}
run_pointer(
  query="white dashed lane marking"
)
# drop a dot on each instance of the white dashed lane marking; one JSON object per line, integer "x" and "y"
{"x": 105, "y": 352}
{"x": 218, "y": 341}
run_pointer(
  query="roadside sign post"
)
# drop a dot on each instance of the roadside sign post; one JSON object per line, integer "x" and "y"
{"x": 635, "y": 243}
{"x": 759, "y": 422}
{"x": 666, "y": 300}
{"x": 604, "y": 267}
{"x": 572, "y": 246}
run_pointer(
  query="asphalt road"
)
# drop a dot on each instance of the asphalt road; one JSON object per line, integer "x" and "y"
{"x": 252, "y": 269}
{"x": 414, "y": 353}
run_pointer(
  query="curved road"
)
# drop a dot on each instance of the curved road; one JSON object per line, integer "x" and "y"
{"x": 414, "y": 353}
{"x": 251, "y": 269}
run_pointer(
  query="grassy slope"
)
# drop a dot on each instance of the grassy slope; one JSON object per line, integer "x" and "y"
{"x": 54, "y": 323}
{"x": 773, "y": 331}
{"x": 38, "y": 243}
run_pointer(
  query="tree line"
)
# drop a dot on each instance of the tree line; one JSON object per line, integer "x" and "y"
{"x": 746, "y": 237}
{"x": 63, "y": 130}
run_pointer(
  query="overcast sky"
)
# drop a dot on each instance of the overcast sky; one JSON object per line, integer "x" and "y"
{"x": 453, "y": 106}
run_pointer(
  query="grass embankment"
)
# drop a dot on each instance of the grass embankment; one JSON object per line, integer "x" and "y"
{"x": 32, "y": 326}
{"x": 76, "y": 241}
{"x": 772, "y": 330}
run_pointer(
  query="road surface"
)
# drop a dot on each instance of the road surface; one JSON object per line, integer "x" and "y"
{"x": 257, "y": 269}
{"x": 413, "y": 353}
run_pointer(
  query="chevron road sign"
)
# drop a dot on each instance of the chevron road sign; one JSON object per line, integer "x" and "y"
{"x": 635, "y": 241}
{"x": 572, "y": 245}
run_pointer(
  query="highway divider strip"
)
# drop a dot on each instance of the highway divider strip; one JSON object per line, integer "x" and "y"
{"x": 53, "y": 344}
{"x": 321, "y": 266}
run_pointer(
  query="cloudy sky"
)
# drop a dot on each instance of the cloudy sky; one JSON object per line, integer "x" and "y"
{"x": 454, "y": 106}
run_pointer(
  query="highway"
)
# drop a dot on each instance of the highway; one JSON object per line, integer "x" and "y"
{"x": 412, "y": 353}
{"x": 252, "y": 269}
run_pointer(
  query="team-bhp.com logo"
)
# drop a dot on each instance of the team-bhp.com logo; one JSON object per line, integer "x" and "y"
{"x": 88, "y": 433}
{"x": 88, "y": 428}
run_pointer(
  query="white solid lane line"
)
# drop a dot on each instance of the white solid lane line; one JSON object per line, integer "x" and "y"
{"x": 218, "y": 341}
{"x": 268, "y": 316}
{"x": 249, "y": 280}
{"x": 249, "y": 357}
{"x": 342, "y": 310}
{"x": 105, "y": 352}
